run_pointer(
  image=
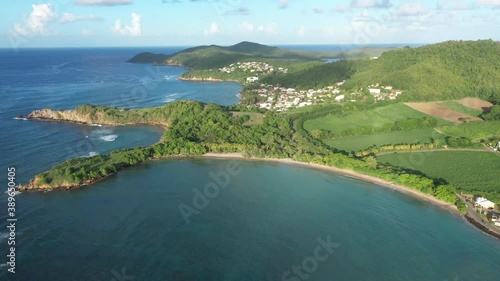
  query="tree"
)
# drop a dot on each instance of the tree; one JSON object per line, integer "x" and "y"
{"x": 371, "y": 162}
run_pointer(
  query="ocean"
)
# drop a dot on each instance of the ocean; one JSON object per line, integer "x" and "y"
{"x": 199, "y": 219}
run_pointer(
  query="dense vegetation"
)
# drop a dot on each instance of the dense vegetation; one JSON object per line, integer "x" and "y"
{"x": 441, "y": 71}
{"x": 314, "y": 76}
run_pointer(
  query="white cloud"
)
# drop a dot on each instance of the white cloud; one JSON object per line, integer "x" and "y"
{"x": 87, "y": 33}
{"x": 270, "y": 29}
{"x": 412, "y": 9}
{"x": 103, "y": 2}
{"x": 493, "y": 3}
{"x": 68, "y": 17}
{"x": 37, "y": 21}
{"x": 319, "y": 10}
{"x": 301, "y": 31}
{"x": 341, "y": 8}
{"x": 134, "y": 29}
{"x": 213, "y": 29}
{"x": 455, "y": 5}
{"x": 371, "y": 3}
{"x": 246, "y": 26}
{"x": 416, "y": 26}
{"x": 283, "y": 4}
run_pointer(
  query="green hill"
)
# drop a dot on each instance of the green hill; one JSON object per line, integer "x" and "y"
{"x": 435, "y": 72}
{"x": 443, "y": 71}
{"x": 213, "y": 56}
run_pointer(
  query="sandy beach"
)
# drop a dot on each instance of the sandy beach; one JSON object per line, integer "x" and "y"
{"x": 344, "y": 172}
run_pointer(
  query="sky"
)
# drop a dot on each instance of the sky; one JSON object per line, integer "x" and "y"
{"x": 96, "y": 23}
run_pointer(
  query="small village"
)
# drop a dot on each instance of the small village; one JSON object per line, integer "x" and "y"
{"x": 257, "y": 68}
{"x": 281, "y": 98}
{"x": 276, "y": 97}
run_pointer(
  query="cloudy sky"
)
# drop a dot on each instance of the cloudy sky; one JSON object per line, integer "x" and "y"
{"x": 85, "y": 23}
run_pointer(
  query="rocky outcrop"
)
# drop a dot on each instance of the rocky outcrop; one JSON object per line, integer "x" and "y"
{"x": 69, "y": 116}
{"x": 35, "y": 185}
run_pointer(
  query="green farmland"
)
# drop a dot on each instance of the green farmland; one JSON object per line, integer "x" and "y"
{"x": 470, "y": 172}
{"x": 357, "y": 143}
{"x": 376, "y": 117}
{"x": 473, "y": 130}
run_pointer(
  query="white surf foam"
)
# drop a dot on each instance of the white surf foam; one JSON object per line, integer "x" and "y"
{"x": 15, "y": 192}
{"x": 109, "y": 137}
{"x": 170, "y": 77}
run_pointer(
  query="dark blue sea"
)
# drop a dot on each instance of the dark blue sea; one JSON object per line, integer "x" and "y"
{"x": 199, "y": 219}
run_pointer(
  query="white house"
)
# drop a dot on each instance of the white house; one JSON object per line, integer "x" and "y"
{"x": 265, "y": 105}
{"x": 375, "y": 91}
{"x": 339, "y": 98}
{"x": 484, "y": 203}
{"x": 252, "y": 79}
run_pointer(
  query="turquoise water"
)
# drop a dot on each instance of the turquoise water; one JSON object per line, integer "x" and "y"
{"x": 266, "y": 220}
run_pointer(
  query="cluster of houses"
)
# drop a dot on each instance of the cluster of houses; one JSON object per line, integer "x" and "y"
{"x": 256, "y": 68}
{"x": 281, "y": 98}
{"x": 383, "y": 92}
{"x": 488, "y": 206}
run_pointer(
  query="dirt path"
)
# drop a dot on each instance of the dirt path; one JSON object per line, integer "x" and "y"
{"x": 434, "y": 150}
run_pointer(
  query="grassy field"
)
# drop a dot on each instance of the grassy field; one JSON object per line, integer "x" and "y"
{"x": 468, "y": 171}
{"x": 473, "y": 130}
{"x": 255, "y": 118}
{"x": 376, "y": 117}
{"x": 358, "y": 143}
{"x": 456, "y": 106}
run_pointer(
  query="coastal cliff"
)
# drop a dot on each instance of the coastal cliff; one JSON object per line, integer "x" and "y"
{"x": 70, "y": 116}
{"x": 103, "y": 115}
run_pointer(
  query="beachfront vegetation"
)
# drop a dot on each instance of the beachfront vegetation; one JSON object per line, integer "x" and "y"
{"x": 195, "y": 128}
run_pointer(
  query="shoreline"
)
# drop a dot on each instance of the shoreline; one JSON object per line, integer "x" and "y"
{"x": 344, "y": 172}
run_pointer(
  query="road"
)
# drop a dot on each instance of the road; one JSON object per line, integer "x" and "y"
{"x": 472, "y": 213}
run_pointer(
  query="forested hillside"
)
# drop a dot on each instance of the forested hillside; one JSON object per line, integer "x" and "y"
{"x": 436, "y": 72}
